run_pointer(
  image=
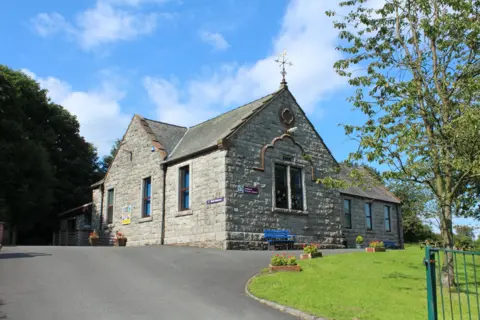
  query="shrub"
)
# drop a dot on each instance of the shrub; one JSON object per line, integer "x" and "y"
{"x": 283, "y": 260}
{"x": 291, "y": 261}
{"x": 93, "y": 235}
{"x": 376, "y": 244}
{"x": 359, "y": 240}
{"x": 120, "y": 236}
{"x": 312, "y": 248}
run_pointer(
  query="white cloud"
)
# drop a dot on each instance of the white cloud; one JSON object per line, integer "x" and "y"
{"x": 309, "y": 38}
{"x": 215, "y": 39}
{"x": 104, "y": 23}
{"x": 108, "y": 21}
{"x": 98, "y": 111}
{"x": 49, "y": 24}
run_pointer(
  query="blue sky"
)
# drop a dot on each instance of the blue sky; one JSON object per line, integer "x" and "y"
{"x": 177, "y": 61}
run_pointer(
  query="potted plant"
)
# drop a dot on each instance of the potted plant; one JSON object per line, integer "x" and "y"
{"x": 120, "y": 239}
{"x": 283, "y": 263}
{"x": 359, "y": 242}
{"x": 310, "y": 251}
{"x": 376, "y": 246}
{"x": 93, "y": 238}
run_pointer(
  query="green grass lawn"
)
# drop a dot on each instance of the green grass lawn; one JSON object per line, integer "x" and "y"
{"x": 361, "y": 285}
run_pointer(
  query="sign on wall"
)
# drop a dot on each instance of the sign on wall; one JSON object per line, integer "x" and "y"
{"x": 245, "y": 189}
{"x": 216, "y": 200}
{"x": 127, "y": 214}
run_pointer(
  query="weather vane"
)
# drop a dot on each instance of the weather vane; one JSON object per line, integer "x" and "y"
{"x": 282, "y": 61}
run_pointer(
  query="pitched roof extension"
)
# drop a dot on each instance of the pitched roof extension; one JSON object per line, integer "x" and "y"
{"x": 373, "y": 189}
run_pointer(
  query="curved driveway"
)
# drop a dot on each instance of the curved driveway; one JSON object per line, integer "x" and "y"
{"x": 160, "y": 282}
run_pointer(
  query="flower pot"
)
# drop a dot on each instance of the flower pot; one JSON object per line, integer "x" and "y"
{"x": 359, "y": 246}
{"x": 284, "y": 268}
{"x": 305, "y": 256}
{"x": 375, "y": 249}
{"x": 94, "y": 241}
{"x": 121, "y": 242}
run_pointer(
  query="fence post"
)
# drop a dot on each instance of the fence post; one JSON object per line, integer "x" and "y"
{"x": 431, "y": 283}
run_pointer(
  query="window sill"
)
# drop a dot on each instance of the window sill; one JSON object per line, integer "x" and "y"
{"x": 184, "y": 213}
{"x": 290, "y": 211}
{"x": 145, "y": 219}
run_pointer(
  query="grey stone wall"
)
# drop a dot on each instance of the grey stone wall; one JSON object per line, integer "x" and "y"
{"x": 134, "y": 162}
{"x": 96, "y": 207}
{"x": 378, "y": 232}
{"x": 249, "y": 215}
{"x": 203, "y": 224}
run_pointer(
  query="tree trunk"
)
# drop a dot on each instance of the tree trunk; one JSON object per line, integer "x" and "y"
{"x": 446, "y": 230}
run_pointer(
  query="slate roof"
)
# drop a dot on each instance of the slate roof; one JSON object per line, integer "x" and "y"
{"x": 207, "y": 134}
{"x": 167, "y": 134}
{"x": 372, "y": 189}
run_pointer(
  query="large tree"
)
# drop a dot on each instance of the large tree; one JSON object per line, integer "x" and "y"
{"x": 416, "y": 66}
{"x": 108, "y": 159}
{"x": 46, "y": 167}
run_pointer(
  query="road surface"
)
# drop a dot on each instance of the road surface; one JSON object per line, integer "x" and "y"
{"x": 158, "y": 282}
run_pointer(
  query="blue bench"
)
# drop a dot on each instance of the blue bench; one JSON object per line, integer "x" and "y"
{"x": 390, "y": 244}
{"x": 278, "y": 236}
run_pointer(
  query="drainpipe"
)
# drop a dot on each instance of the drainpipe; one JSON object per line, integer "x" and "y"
{"x": 162, "y": 233}
{"x": 102, "y": 189}
{"x": 399, "y": 230}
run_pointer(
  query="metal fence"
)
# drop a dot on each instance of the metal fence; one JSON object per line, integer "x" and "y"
{"x": 452, "y": 284}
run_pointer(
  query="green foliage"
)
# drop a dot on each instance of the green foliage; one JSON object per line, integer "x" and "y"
{"x": 108, "y": 159}
{"x": 283, "y": 260}
{"x": 415, "y": 209}
{"x": 359, "y": 240}
{"x": 46, "y": 166}
{"x": 415, "y": 65}
{"x": 307, "y": 157}
{"x": 464, "y": 236}
{"x": 376, "y": 244}
{"x": 312, "y": 248}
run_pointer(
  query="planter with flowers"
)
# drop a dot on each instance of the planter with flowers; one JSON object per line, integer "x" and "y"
{"x": 283, "y": 263}
{"x": 310, "y": 252}
{"x": 376, "y": 246}
{"x": 93, "y": 238}
{"x": 359, "y": 242}
{"x": 120, "y": 239}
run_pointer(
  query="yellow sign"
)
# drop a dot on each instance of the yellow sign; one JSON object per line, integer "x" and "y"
{"x": 127, "y": 214}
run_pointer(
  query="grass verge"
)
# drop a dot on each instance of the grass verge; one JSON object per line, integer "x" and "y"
{"x": 374, "y": 286}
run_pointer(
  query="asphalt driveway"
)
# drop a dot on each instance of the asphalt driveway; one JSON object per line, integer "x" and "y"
{"x": 161, "y": 282}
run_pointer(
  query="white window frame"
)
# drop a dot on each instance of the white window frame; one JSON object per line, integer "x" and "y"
{"x": 289, "y": 189}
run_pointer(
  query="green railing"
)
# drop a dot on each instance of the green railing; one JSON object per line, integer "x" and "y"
{"x": 452, "y": 284}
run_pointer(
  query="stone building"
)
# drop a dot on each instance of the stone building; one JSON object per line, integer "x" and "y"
{"x": 222, "y": 182}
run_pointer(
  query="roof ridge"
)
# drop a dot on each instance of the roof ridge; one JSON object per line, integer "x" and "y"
{"x": 178, "y": 143}
{"x": 170, "y": 124}
{"x": 243, "y": 105}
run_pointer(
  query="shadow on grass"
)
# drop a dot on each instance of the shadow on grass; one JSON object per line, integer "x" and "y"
{"x": 16, "y": 255}
{"x": 398, "y": 275}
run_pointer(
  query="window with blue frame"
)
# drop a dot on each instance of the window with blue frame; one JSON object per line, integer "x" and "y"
{"x": 147, "y": 197}
{"x": 185, "y": 188}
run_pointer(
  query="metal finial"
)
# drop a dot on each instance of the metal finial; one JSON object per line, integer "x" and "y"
{"x": 282, "y": 61}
